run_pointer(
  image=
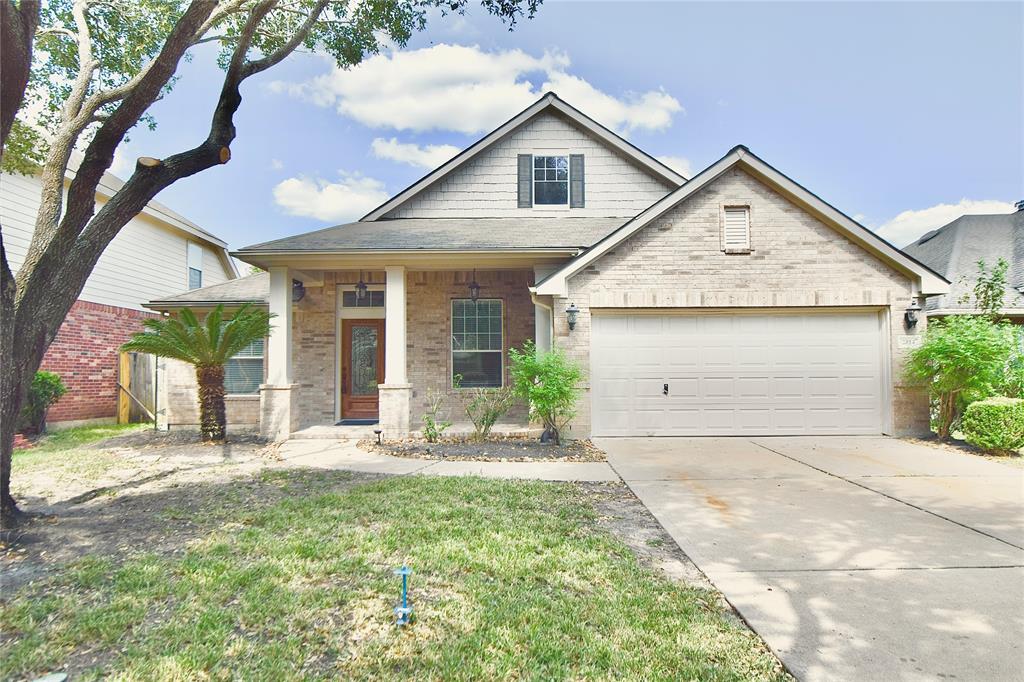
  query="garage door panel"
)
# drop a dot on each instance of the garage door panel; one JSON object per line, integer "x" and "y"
{"x": 736, "y": 374}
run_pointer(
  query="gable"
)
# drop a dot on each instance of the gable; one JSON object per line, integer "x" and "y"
{"x": 486, "y": 186}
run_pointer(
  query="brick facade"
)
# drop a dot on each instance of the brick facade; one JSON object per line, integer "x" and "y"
{"x": 85, "y": 355}
{"x": 797, "y": 261}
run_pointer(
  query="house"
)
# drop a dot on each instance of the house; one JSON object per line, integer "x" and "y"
{"x": 954, "y": 251}
{"x": 156, "y": 254}
{"x": 735, "y": 302}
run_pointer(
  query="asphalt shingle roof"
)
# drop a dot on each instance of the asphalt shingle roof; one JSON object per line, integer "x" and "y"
{"x": 955, "y": 249}
{"x": 449, "y": 234}
{"x": 253, "y": 288}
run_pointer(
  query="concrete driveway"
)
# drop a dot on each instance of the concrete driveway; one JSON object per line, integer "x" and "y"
{"x": 855, "y": 558}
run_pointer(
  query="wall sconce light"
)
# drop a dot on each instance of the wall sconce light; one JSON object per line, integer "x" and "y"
{"x": 474, "y": 288}
{"x": 910, "y": 316}
{"x": 360, "y": 287}
{"x": 298, "y": 290}
{"x": 570, "y": 315}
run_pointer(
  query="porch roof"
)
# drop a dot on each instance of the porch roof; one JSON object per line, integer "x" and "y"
{"x": 251, "y": 289}
{"x": 446, "y": 234}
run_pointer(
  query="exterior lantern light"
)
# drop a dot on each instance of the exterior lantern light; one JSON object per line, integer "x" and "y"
{"x": 474, "y": 288}
{"x": 570, "y": 315}
{"x": 360, "y": 287}
{"x": 298, "y": 290}
{"x": 910, "y": 316}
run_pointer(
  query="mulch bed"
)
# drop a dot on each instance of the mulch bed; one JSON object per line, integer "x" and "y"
{"x": 494, "y": 449}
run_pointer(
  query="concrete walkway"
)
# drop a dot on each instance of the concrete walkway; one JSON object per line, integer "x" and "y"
{"x": 344, "y": 454}
{"x": 855, "y": 558}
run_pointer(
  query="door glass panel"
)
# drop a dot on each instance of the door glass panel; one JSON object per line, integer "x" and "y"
{"x": 364, "y": 360}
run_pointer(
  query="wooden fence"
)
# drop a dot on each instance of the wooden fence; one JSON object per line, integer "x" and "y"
{"x": 136, "y": 384}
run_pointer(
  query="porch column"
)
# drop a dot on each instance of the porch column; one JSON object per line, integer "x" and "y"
{"x": 277, "y": 413}
{"x": 395, "y": 394}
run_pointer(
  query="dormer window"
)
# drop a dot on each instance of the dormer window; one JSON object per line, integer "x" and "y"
{"x": 551, "y": 180}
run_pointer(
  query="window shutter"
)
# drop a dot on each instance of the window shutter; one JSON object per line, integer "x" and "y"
{"x": 736, "y": 230}
{"x": 576, "y": 184}
{"x": 525, "y": 181}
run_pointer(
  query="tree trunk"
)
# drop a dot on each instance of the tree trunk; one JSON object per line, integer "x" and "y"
{"x": 212, "y": 419}
{"x": 10, "y": 387}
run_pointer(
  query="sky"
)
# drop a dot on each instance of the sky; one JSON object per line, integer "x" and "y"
{"x": 902, "y": 115}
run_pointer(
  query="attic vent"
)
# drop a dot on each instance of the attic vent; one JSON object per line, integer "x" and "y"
{"x": 736, "y": 229}
{"x": 1020, "y": 205}
{"x": 926, "y": 236}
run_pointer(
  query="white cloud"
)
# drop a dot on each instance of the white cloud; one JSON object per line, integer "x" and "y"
{"x": 679, "y": 164}
{"x": 469, "y": 90}
{"x": 276, "y": 164}
{"x": 348, "y": 199}
{"x": 425, "y": 156}
{"x": 910, "y": 225}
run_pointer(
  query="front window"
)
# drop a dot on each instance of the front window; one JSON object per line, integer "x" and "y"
{"x": 477, "y": 338}
{"x": 551, "y": 180}
{"x": 243, "y": 373}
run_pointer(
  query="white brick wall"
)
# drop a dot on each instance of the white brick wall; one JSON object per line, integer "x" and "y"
{"x": 486, "y": 186}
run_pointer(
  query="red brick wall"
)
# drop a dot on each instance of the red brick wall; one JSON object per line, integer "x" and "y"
{"x": 85, "y": 355}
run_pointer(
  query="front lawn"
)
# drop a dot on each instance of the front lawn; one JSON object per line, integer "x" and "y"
{"x": 510, "y": 580}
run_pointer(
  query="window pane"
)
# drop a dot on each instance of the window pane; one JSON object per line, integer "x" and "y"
{"x": 538, "y": 162}
{"x": 478, "y": 369}
{"x": 373, "y": 299}
{"x": 549, "y": 161}
{"x": 243, "y": 375}
{"x": 551, "y": 193}
{"x": 195, "y": 278}
{"x": 364, "y": 360}
{"x": 253, "y": 350}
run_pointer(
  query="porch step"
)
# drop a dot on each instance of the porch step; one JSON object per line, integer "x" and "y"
{"x": 334, "y": 432}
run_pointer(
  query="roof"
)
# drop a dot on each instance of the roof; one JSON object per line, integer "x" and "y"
{"x": 250, "y": 289}
{"x": 928, "y": 281}
{"x": 549, "y": 102}
{"x": 447, "y": 234}
{"x": 955, "y": 249}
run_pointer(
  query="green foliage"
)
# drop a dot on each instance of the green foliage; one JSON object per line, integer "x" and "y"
{"x": 24, "y": 150}
{"x": 485, "y": 406}
{"x": 989, "y": 290}
{"x": 995, "y": 424}
{"x": 45, "y": 390}
{"x": 207, "y": 343}
{"x": 962, "y": 359}
{"x": 548, "y": 381}
{"x": 434, "y": 428}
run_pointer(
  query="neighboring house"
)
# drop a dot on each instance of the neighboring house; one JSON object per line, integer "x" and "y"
{"x": 156, "y": 254}
{"x": 955, "y": 249}
{"x": 736, "y": 302}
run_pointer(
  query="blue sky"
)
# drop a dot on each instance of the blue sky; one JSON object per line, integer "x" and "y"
{"x": 903, "y": 115}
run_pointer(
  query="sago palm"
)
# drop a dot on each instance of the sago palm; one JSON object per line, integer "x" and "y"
{"x": 206, "y": 345}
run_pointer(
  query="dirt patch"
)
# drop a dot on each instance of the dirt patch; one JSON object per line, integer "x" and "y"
{"x": 962, "y": 447}
{"x": 510, "y": 449}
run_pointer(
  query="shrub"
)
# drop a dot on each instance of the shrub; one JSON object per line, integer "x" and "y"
{"x": 962, "y": 359}
{"x": 548, "y": 381}
{"x": 485, "y": 407}
{"x": 433, "y": 429}
{"x": 995, "y": 424}
{"x": 46, "y": 389}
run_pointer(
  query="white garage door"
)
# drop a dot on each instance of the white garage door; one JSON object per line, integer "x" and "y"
{"x": 734, "y": 374}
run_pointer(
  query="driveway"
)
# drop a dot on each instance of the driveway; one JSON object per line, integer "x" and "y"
{"x": 855, "y": 558}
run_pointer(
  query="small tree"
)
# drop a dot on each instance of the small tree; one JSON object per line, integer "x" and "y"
{"x": 485, "y": 406}
{"x": 549, "y": 382}
{"x": 962, "y": 359}
{"x": 46, "y": 389}
{"x": 989, "y": 292}
{"x": 433, "y": 426}
{"x": 207, "y": 345}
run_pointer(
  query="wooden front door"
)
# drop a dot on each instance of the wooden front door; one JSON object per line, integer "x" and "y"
{"x": 362, "y": 367}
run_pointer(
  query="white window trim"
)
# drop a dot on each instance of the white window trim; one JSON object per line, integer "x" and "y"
{"x": 568, "y": 186}
{"x": 749, "y": 248}
{"x": 263, "y": 374}
{"x": 451, "y": 345}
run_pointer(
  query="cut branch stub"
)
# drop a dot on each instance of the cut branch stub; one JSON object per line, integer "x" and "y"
{"x": 149, "y": 162}
{"x": 225, "y": 154}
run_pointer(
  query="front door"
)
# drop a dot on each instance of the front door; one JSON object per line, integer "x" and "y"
{"x": 362, "y": 367}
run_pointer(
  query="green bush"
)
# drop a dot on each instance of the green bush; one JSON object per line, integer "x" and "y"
{"x": 485, "y": 406}
{"x": 46, "y": 389}
{"x": 549, "y": 382}
{"x": 962, "y": 359}
{"x": 995, "y": 424}
{"x": 433, "y": 426}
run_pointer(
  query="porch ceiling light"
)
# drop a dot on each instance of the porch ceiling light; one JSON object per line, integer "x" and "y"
{"x": 910, "y": 316}
{"x": 570, "y": 315}
{"x": 474, "y": 288}
{"x": 360, "y": 287}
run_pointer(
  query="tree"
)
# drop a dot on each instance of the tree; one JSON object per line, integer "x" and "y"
{"x": 962, "y": 359}
{"x": 94, "y": 68}
{"x": 549, "y": 382}
{"x": 207, "y": 346}
{"x": 989, "y": 288}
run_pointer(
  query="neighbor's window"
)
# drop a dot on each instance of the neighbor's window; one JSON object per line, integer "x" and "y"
{"x": 477, "y": 342}
{"x": 551, "y": 180}
{"x": 243, "y": 373}
{"x": 195, "y": 265}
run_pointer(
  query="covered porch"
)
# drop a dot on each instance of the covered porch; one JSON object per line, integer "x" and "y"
{"x": 362, "y": 344}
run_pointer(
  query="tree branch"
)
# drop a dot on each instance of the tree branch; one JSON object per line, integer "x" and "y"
{"x": 17, "y": 32}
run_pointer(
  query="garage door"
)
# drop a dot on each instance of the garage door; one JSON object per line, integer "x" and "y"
{"x": 736, "y": 374}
